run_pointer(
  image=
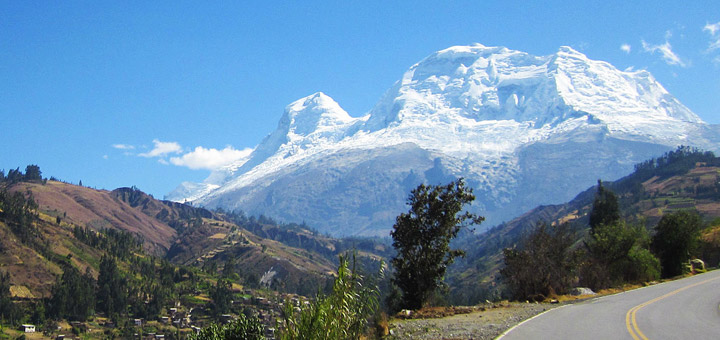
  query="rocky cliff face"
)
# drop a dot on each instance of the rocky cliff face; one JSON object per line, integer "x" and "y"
{"x": 523, "y": 130}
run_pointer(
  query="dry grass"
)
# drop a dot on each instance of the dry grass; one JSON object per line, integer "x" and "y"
{"x": 218, "y": 236}
{"x": 82, "y": 206}
{"x": 21, "y": 292}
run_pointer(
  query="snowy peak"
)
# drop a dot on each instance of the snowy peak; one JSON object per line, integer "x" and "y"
{"x": 307, "y": 122}
{"x": 613, "y": 96}
{"x": 495, "y": 83}
{"x": 314, "y": 113}
{"x": 474, "y": 82}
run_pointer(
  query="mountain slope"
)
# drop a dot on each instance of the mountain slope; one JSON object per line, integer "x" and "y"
{"x": 682, "y": 179}
{"x": 56, "y": 231}
{"x": 523, "y": 130}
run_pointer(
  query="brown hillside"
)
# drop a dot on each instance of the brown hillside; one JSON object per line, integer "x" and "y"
{"x": 216, "y": 241}
{"x": 32, "y": 272}
{"x": 99, "y": 209}
{"x": 291, "y": 260}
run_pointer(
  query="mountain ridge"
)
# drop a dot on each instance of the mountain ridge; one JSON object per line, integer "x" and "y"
{"x": 467, "y": 111}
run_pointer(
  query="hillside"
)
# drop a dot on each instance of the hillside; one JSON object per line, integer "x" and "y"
{"x": 102, "y": 257}
{"x": 98, "y": 209}
{"x": 682, "y": 179}
{"x": 34, "y": 262}
{"x": 287, "y": 258}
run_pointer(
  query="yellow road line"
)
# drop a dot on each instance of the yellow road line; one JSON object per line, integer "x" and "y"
{"x": 630, "y": 317}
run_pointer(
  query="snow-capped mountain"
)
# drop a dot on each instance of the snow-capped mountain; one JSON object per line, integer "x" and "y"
{"x": 523, "y": 130}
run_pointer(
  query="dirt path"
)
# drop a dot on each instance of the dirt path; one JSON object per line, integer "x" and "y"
{"x": 483, "y": 322}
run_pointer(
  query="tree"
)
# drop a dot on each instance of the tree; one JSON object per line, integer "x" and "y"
{"x": 229, "y": 268}
{"x": 618, "y": 253}
{"x": 605, "y": 208}
{"x": 15, "y": 175}
{"x": 7, "y": 308}
{"x": 221, "y": 296}
{"x": 73, "y": 295}
{"x": 111, "y": 288}
{"x": 422, "y": 239}
{"x": 544, "y": 263}
{"x": 33, "y": 173}
{"x": 676, "y": 237}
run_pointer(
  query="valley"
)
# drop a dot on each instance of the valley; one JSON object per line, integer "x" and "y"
{"x": 173, "y": 255}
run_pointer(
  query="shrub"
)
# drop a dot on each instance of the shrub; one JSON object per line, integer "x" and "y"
{"x": 243, "y": 327}
{"x": 545, "y": 263}
{"x": 343, "y": 314}
{"x": 677, "y": 237}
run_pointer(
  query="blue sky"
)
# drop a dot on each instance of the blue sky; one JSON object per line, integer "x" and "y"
{"x": 153, "y": 93}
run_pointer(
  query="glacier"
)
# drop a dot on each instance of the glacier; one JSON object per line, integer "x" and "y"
{"x": 523, "y": 131}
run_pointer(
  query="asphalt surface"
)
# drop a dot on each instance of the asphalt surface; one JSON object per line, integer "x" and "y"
{"x": 681, "y": 309}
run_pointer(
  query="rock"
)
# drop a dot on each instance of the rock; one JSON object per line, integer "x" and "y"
{"x": 581, "y": 291}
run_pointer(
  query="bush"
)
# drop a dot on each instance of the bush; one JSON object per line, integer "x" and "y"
{"x": 545, "y": 263}
{"x": 341, "y": 315}
{"x": 643, "y": 266}
{"x": 618, "y": 253}
{"x": 677, "y": 237}
{"x": 244, "y": 327}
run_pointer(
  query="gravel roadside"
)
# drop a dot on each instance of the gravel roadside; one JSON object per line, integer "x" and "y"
{"x": 483, "y": 322}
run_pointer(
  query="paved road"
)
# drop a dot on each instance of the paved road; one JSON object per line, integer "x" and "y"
{"x": 682, "y": 309}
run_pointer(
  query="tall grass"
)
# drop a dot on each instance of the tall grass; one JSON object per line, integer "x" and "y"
{"x": 343, "y": 314}
{"x": 248, "y": 328}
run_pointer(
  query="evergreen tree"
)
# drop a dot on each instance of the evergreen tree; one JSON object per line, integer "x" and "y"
{"x": 33, "y": 173}
{"x": 111, "y": 288}
{"x": 15, "y": 175}
{"x": 73, "y": 295}
{"x": 605, "y": 208}
{"x": 422, "y": 239}
{"x": 18, "y": 212}
{"x": 229, "y": 268}
{"x": 221, "y": 296}
{"x": 7, "y": 309}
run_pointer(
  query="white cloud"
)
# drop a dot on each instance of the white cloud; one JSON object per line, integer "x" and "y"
{"x": 714, "y": 30}
{"x": 666, "y": 51}
{"x": 162, "y": 149}
{"x": 123, "y": 146}
{"x": 105, "y": 157}
{"x": 210, "y": 159}
{"x": 625, "y": 48}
